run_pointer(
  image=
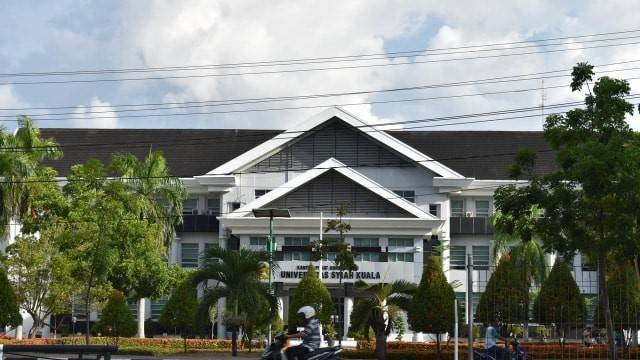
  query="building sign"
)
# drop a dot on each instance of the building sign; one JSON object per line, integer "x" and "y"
{"x": 330, "y": 272}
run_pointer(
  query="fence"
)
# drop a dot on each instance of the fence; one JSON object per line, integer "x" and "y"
{"x": 558, "y": 317}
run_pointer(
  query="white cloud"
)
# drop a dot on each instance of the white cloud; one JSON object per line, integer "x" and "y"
{"x": 106, "y": 118}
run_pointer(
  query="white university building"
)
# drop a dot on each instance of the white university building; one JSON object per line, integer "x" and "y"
{"x": 407, "y": 192}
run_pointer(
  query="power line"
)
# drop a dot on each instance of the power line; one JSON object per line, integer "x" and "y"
{"x": 483, "y": 81}
{"x": 358, "y": 57}
{"x": 294, "y": 134}
{"x": 50, "y": 82}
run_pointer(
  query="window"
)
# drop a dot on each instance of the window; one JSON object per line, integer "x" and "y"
{"x": 434, "y": 209}
{"x": 408, "y": 195}
{"x": 260, "y": 192}
{"x": 296, "y": 241}
{"x": 331, "y": 256}
{"x": 234, "y": 205}
{"x": 366, "y": 242}
{"x": 588, "y": 263}
{"x": 462, "y": 309}
{"x": 156, "y": 307}
{"x": 189, "y": 255}
{"x": 457, "y": 208}
{"x": 480, "y": 256}
{"x": 458, "y": 257}
{"x": 297, "y": 256}
{"x": 190, "y": 206}
{"x": 258, "y": 241}
{"x": 400, "y": 257}
{"x": 400, "y": 242}
{"x": 213, "y": 206}
{"x": 368, "y": 256}
{"x": 482, "y": 208}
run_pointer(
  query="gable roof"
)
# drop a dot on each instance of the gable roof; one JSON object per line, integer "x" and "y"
{"x": 193, "y": 152}
{"x": 274, "y": 145}
{"x": 328, "y": 165}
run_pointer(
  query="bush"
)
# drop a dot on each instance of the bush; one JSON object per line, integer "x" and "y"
{"x": 9, "y": 312}
{"x": 503, "y": 299}
{"x": 312, "y": 292}
{"x": 116, "y": 319}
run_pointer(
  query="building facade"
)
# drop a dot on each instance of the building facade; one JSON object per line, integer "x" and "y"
{"x": 407, "y": 194}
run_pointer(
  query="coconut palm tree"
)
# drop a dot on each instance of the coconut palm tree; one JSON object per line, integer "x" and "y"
{"x": 377, "y": 310}
{"x": 517, "y": 237}
{"x": 159, "y": 200}
{"x": 20, "y": 156}
{"x": 237, "y": 275}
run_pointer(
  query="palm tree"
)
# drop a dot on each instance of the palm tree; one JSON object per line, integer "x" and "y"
{"x": 238, "y": 278}
{"x": 20, "y": 156}
{"x": 517, "y": 236}
{"x": 159, "y": 200}
{"x": 377, "y": 310}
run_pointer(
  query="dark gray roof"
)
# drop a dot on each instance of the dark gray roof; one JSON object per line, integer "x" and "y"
{"x": 479, "y": 154}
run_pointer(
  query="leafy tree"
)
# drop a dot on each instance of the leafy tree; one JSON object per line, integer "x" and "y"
{"x": 382, "y": 304}
{"x": 9, "y": 311}
{"x": 41, "y": 276}
{"x": 16, "y": 166}
{"x": 624, "y": 291}
{"x": 345, "y": 259}
{"x": 159, "y": 199}
{"x": 116, "y": 319}
{"x": 517, "y": 236}
{"x": 559, "y": 301}
{"x": 502, "y": 301}
{"x": 181, "y": 308}
{"x": 431, "y": 309}
{"x": 237, "y": 273}
{"x": 593, "y": 195}
{"x": 311, "y": 292}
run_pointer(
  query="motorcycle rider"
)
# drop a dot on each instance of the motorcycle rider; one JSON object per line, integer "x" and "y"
{"x": 310, "y": 335}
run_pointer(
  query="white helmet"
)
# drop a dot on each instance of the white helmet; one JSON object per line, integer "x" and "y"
{"x": 307, "y": 311}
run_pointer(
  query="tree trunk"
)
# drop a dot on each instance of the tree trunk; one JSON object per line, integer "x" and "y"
{"x": 381, "y": 345}
{"x": 184, "y": 341}
{"x": 87, "y": 314}
{"x": 438, "y": 345}
{"x": 604, "y": 304}
{"x": 636, "y": 262}
{"x": 234, "y": 341}
{"x": 141, "y": 317}
{"x": 525, "y": 330}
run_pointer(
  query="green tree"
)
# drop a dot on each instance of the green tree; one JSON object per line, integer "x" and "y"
{"x": 237, "y": 273}
{"x": 382, "y": 303}
{"x": 624, "y": 291}
{"x": 116, "y": 319}
{"x": 502, "y": 303}
{"x": 559, "y": 301}
{"x": 517, "y": 236}
{"x": 9, "y": 311}
{"x": 345, "y": 258}
{"x": 592, "y": 196}
{"x": 23, "y": 163}
{"x": 311, "y": 292}
{"x": 159, "y": 199}
{"x": 41, "y": 276}
{"x": 431, "y": 309}
{"x": 181, "y": 308}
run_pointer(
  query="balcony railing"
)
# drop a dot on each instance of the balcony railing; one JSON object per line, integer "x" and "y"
{"x": 470, "y": 225}
{"x": 199, "y": 223}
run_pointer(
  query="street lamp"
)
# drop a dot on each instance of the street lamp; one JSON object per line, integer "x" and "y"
{"x": 271, "y": 244}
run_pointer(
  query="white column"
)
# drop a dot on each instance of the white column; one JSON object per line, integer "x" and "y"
{"x": 222, "y": 308}
{"x": 141, "y": 316}
{"x": 19, "y": 332}
{"x": 280, "y": 310}
{"x": 348, "y": 308}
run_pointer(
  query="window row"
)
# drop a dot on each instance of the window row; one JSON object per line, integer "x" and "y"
{"x": 458, "y": 257}
{"x": 190, "y": 206}
{"x": 482, "y": 208}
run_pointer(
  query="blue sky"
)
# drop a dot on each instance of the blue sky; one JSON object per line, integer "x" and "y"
{"x": 84, "y": 35}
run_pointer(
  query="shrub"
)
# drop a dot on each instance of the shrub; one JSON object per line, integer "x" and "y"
{"x": 503, "y": 299}
{"x": 116, "y": 319}
{"x": 9, "y": 311}
{"x": 312, "y": 292}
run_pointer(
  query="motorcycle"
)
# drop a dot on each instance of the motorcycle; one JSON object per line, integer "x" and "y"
{"x": 275, "y": 351}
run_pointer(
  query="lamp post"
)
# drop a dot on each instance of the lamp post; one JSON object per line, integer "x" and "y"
{"x": 271, "y": 244}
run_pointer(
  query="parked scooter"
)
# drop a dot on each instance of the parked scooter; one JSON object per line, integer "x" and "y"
{"x": 275, "y": 351}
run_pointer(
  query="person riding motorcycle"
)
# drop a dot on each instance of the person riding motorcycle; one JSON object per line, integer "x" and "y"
{"x": 310, "y": 335}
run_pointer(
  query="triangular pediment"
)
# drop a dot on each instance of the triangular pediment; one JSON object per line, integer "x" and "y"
{"x": 333, "y": 133}
{"x": 330, "y": 185}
